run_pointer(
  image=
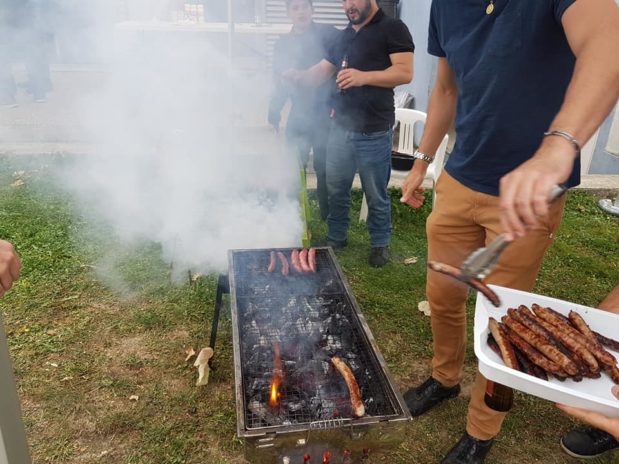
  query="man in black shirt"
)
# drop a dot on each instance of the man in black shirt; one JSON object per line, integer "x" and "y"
{"x": 378, "y": 55}
{"x": 308, "y": 121}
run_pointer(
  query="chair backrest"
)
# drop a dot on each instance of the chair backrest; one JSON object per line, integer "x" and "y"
{"x": 408, "y": 119}
{"x": 586, "y": 153}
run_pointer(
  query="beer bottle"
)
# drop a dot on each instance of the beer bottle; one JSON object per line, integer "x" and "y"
{"x": 498, "y": 397}
{"x": 343, "y": 66}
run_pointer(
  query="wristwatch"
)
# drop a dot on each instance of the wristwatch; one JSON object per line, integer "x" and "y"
{"x": 422, "y": 156}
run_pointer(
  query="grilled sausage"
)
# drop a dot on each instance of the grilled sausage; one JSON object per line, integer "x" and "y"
{"x": 568, "y": 340}
{"x": 592, "y": 346}
{"x": 272, "y": 262}
{"x": 311, "y": 257}
{"x": 534, "y": 356}
{"x": 358, "y": 407}
{"x": 542, "y": 346}
{"x": 580, "y": 324}
{"x": 494, "y": 346}
{"x": 296, "y": 261}
{"x": 532, "y": 322}
{"x": 607, "y": 342}
{"x": 304, "y": 263}
{"x": 284, "y": 261}
{"x": 475, "y": 284}
{"x": 507, "y": 350}
{"x": 613, "y": 372}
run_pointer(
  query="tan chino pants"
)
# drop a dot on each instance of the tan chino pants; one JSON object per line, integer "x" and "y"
{"x": 462, "y": 221}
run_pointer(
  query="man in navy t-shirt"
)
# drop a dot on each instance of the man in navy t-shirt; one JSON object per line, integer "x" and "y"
{"x": 527, "y": 83}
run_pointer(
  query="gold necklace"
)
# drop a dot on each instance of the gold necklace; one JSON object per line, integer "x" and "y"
{"x": 490, "y": 7}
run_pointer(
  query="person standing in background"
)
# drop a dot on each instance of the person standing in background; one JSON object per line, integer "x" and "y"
{"x": 25, "y": 33}
{"x": 373, "y": 55}
{"x": 307, "y": 127}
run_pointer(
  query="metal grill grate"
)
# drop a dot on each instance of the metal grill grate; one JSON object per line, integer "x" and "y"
{"x": 312, "y": 318}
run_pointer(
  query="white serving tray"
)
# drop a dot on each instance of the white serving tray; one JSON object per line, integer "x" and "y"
{"x": 592, "y": 394}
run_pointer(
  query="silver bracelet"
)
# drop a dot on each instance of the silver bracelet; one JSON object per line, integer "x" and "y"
{"x": 422, "y": 156}
{"x": 567, "y": 136}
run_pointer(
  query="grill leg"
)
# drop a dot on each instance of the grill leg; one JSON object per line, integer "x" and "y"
{"x": 222, "y": 287}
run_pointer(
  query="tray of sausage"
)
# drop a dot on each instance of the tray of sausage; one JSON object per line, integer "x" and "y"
{"x": 550, "y": 348}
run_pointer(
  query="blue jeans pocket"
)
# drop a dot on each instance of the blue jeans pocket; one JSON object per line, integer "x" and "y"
{"x": 375, "y": 135}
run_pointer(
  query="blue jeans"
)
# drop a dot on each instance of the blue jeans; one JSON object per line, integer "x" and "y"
{"x": 370, "y": 154}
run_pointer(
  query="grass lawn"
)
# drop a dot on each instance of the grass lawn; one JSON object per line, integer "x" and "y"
{"x": 81, "y": 350}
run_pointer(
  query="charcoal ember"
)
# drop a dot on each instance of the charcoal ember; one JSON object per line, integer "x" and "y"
{"x": 296, "y": 406}
{"x": 259, "y": 358}
{"x": 264, "y": 412}
{"x": 332, "y": 344}
{"x": 289, "y": 364}
{"x": 353, "y": 363}
{"x": 329, "y": 286}
{"x": 258, "y": 385}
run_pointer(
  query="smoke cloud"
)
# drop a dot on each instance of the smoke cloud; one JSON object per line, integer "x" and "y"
{"x": 183, "y": 156}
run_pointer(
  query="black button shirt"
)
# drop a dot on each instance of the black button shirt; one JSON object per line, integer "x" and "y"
{"x": 369, "y": 108}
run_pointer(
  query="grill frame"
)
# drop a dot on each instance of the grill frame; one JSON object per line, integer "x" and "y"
{"x": 393, "y": 394}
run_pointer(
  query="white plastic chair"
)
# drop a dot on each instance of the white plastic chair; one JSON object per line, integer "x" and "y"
{"x": 586, "y": 153}
{"x": 407, "y": 120}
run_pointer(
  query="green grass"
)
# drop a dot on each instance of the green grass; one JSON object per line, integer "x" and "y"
{"x": 82, "y": 346}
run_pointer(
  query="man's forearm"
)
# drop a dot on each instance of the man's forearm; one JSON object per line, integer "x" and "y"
{"x": 391, "y": 77}
{"x": 441, "y": 114}
{"x": 316, "y": 75}
{"x": 594, "y": 88}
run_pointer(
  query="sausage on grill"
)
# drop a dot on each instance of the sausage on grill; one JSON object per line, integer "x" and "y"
{"x": 284, "y": 261}
{"x": 358, "y": 407}
{"x": 303, "y": 259}
{"x": 311, "y": 257}
{"x": 295, "y": 261}
{"x": 272, "y": 262}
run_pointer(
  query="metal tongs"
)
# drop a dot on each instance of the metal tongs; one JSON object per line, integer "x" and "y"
{"x": 476, "y": 267}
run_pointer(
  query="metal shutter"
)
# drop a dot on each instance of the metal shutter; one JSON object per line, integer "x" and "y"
{"x": 325, "y": 11}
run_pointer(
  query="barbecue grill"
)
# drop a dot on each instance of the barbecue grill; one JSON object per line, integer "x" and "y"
{"x": 291, "y": 400}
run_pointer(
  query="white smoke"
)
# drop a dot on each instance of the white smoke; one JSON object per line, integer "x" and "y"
{"x": 183, "y": 154}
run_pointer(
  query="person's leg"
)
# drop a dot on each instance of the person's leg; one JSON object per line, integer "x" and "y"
{"x": 340, "y": 170}
{"x": 452, "y": 235}
{"x": 373, "y": 155}
{"x": 7, "y": 82}
{"x": 299, "y": 143}
{"x": 517, "y": 269}
{"x": 37, "y": 65}
{"x": 319, "y": 147}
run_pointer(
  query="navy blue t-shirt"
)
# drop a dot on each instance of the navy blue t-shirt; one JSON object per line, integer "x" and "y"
{"x": 512, "y": 69}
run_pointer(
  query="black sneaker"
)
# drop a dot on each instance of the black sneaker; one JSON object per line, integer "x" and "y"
{"x": 379, "y": 256}
{"x": 468, "y": 450}
{"x": 427, "y": 395}
{"x": 588, "y": 442}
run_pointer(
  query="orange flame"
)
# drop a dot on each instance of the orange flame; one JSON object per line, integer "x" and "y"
{"x": 277, "y": 376}
{"x": 274, "y": 397}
